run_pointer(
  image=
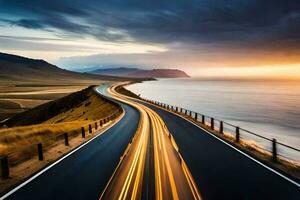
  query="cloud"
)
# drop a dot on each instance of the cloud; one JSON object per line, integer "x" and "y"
{"x": 213, "y": 26}
{"x": 206, "y": 21}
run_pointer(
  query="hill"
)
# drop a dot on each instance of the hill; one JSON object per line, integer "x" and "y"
{"x": 141, "y": 73}
{"x": 26, "y": 83}
{"x": 17, "y": 68}
{"x": 64, "y": 106}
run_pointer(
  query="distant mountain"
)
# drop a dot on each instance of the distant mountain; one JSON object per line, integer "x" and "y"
{"x": 20, "y": 69}
{"x": 141, "y": 73}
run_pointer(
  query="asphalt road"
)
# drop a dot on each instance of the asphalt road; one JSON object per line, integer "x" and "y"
{"x": 222, "y": 172}
{"x": 171, "y": 176}
{"x": 85, "y": 173}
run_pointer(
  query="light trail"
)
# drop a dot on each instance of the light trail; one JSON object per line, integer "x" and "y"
{"x": 172, "y": 180}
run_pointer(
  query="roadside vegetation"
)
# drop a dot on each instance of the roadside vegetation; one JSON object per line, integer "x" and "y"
{"x": 46, "y": 124}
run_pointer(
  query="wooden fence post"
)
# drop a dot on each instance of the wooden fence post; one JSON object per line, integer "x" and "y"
{"x": 221, "y": 127}
{"x": 66, "y": 139}
{"x": 82, "y": 132}
{"x": 203, "y": 119}
{"x": 90, "y": 128}
{"x": 237, "y": 134}
{"x": 274, "y": 150}
{"x": 212, "y": 123}
{"x": 40, "y": 151}
{"x": 4, "y": 167}
{"x": 96, "y": 125}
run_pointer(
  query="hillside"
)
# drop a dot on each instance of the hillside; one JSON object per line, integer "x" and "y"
{"x": 21, "y": 69}
{"x": 67, "y": 105}
{"x": 141, "y": 73}
{"x": 26, "y": 83}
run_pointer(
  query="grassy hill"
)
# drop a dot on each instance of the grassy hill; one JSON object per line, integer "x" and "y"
{"x": 31, "y": 82}
{"x": 21, "y": 70}
{"x": 75, "y": 106}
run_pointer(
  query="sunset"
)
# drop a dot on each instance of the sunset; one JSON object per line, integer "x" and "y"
{"x": 142, "y": 100}
{"x": 200, "y": 34}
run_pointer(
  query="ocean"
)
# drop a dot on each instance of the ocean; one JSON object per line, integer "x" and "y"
{"x": 268, "y": 108}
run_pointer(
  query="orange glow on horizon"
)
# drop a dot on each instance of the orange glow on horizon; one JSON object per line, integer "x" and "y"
{"x": 268, "y": 72}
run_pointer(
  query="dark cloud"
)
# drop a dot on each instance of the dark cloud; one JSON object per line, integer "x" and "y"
{"x": 258, "y": 23}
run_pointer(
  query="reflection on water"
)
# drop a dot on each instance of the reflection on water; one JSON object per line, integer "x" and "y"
{"x": 270, "y": 108}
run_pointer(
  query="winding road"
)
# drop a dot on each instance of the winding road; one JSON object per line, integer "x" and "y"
{"x": 153, "y": 154}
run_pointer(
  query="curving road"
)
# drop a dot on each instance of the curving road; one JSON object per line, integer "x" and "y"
{"x": 171, "y": 177}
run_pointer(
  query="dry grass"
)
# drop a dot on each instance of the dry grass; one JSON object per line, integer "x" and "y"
{"x": 18, "y": 138}
{"x": 20, "y": 143}
{"x": 31, "y": 94}
{"x": 68, "y": 121}
{"x": 20, "y": 171}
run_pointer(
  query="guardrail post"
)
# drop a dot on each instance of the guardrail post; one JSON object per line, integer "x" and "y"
{"x": 203, "y": 119}
{"x": 196, "y": 116}
{"x": 90, "y": 128}
{"x": 274, "y": 149}
{"x": 82, "y": 132}
{"x": 101, "y": 123}
{"x": 237, "y": 134}
{"x": 104, "y": 121}
{"x": 66, "y": 139}
{"x": 212, "y": 123}
{"x": 190, "y": 113}
{"x": 221, "y": 127}
{"x": 186, "y": 112}
{"x": 40, "y": 151}
{"x": 4, "y": 167}
{"x": 176, "y": 109}
{"x": 181, "y": 110}
{"x": 96, "y": 125}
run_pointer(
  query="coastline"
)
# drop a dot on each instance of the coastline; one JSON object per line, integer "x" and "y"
{"x": 250, "y": 147}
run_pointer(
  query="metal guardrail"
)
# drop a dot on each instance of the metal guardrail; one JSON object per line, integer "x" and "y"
{"x": 260, "y": 143}
{"x": 37, "y": 149}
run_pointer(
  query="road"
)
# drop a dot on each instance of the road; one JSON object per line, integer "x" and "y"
{"x": 84, "y": 174}
{"x": 171, "y": 177}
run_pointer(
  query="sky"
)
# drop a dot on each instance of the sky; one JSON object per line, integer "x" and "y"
{"x": 202, "y": 37}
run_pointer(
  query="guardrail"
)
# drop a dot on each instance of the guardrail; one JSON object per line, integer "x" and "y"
{"x": 262, "y": 144}
{"x": 37, "y": 149}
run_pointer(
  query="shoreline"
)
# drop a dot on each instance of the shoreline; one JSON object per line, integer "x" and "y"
{"x": 292, "y": 168}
